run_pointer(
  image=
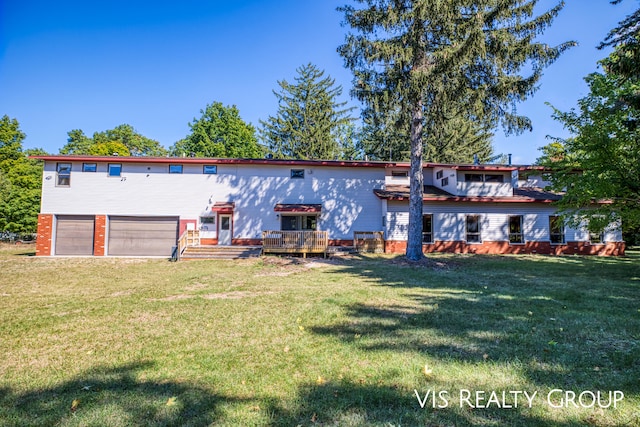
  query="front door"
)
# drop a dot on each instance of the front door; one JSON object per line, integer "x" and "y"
{"x": 224, "y": 230}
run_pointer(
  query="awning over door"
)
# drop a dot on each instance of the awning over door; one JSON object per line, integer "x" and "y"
{"x": 223, "y": 207}
{"x": 298, "y": 208}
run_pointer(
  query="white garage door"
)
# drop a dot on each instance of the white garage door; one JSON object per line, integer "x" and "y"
{"x": 142, "y": 236}
{"x": 74, "y": 235}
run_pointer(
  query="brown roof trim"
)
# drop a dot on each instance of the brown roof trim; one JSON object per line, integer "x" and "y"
{"x": 530, "y": 195}
{"x": 214, "y": 161}
{"x": 219, "y": 161}
{"x": 298, "y": 208}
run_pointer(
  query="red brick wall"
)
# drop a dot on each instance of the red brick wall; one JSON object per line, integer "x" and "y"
{"x": 45, "y": 232}
{"x": 546, "y": 248}
{"x": 99, "y": 233}
{"x": 183, "y": 225}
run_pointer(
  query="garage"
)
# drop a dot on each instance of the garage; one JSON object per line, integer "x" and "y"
{"x": 74, "y": 234}
{"x": 142, "y": 236}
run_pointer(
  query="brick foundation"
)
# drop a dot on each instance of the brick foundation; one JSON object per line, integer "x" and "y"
{"x": 99, "y": 235}
{"x": 45, "y": 232}
{"x": 545, "y": 248}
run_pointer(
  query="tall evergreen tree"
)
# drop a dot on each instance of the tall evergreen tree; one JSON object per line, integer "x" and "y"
{"x": 433, "y": 58}
{"x": 308, "y": 117}
{"x": 219, "y": 132}
{"x": 460, "y": 140}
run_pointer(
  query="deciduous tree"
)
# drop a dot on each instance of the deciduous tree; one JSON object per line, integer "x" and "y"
{"x": 20, "y": 181}
{"x": 433, "y": 58}
{"x": 123, "y": 140}
{"x": 219, "y": 132}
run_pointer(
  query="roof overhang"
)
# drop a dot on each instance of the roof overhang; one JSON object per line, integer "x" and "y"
{"x": 223, "y": 207}
{"x": 298, "y": 208}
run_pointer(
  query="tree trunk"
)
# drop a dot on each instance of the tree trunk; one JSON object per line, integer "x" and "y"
{"x": 416, "y": 183}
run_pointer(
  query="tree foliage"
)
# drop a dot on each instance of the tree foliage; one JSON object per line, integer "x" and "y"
{"x": 310, "y": 119}
{"x": 441, "y": 61}
{"x": 219, "y": 132}
{"x": 599, "y": 166}
{"x": 122, "y": 140}
{"x": 459, "y": 140}
{"x": 20, "y": 181}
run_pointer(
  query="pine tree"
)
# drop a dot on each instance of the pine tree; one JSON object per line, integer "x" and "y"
{"x": 308, "y": 119}
{"x": 431, "y": 58}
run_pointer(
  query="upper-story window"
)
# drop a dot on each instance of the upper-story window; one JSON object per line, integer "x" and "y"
{"x": 439, "y": 174}
{"x": 175, "y": 168}
{"x": 297, "y": 173}
{"x": 89, "y": 167}
{"x": 63, "y": 178}
{"x": 493, "y": 178}
{"x": 114, "y": 169}
{"x": 210, "y": 169}
{"x": 479, "y": 177}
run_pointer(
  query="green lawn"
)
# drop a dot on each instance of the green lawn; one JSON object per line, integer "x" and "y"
{"x": 278, "y": 341}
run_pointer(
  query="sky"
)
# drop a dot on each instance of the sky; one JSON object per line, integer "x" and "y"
{"x": 94, "y": 65}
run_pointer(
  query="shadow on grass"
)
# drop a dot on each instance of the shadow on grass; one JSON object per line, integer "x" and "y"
{"x": 359, "y": 404}
{"x": 567, "y": 322}
{"x": 112, "y": 396}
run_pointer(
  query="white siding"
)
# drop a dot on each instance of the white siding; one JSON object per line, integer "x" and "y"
{"x": 346, "y": 194}
{"x": 449, "y": 220}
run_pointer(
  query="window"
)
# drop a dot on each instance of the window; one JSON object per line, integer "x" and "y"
{"x": 299, "y": 222}
{"x": 494, "y": 178}
{"x": 399, "y": 174}
{"x": 515, "y": 229}
{"x": 596, "y": 238}
{"x": 427, "y": 228}
{"x": 444, "y": 181}
{"x": 439, "y": 174}
{"x": 297, "y": 173}
{"x": 89, "y": 167}
{"x": 473, "y": 229}
{"x": 114, "y": 169}
{"x": 207, "y": 223}
{"x": 472, "y": 177}
{"x": 175, "y": 168}
{"x": 556, "y": 230}
{"x": 64, "y": 175}
{"x": 210, "y": 169}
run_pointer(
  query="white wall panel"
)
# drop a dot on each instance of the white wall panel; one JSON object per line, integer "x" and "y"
{"x": 148, "y": 189}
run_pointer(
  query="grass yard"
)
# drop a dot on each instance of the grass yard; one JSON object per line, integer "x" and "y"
{"x": 352, "y": 342}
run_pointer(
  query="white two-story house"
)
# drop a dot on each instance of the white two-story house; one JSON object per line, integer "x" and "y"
{"x": 139, "y": 206}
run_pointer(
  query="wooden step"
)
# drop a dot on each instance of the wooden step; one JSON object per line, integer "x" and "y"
{"x": 221, "y": 252}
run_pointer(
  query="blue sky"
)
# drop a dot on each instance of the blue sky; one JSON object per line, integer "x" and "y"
{"x": 154, "y": 64}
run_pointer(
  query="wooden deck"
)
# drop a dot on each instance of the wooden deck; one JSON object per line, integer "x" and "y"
{"x": 295, "y": 242}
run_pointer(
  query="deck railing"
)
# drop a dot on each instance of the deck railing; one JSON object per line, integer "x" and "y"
{"x": 188, "y": 238}
{"x": 298, "y": 242}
